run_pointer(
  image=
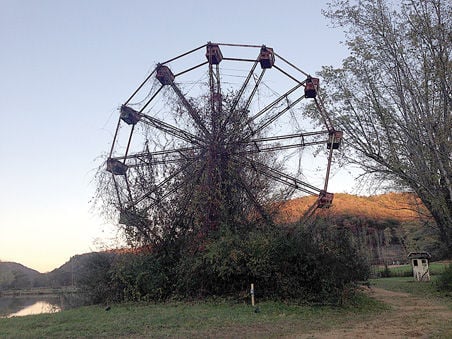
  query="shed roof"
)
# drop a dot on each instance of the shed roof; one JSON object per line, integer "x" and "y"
{"x": 419, "y": 255}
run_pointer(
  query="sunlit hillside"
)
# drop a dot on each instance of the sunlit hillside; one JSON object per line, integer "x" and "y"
{"x": 403, "y": 207}
{"x": 387, "y": 226}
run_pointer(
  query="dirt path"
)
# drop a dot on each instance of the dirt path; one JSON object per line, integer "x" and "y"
{"x": 409, "y": 317}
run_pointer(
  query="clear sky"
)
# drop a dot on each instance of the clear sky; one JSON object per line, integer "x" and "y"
{"x": 65, "y": 68}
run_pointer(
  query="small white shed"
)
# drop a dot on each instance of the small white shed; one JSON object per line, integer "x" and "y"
{"x": 419, "y": 263}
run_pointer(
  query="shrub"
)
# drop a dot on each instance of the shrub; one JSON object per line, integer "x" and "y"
{"x": 96, "y": 276}
{"x": 444, "y": 281}
{"x": 314, "y": 266}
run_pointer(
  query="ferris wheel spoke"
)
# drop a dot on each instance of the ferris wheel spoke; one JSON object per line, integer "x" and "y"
{"x": 168, "y": 193}
{"x": 143, "y": 161}
{"x": 239, "y": 94}
{"x": 193, "y": 181}
{"x": 114, "y": 138}
{"x": 274, "y": 117}
{"x": 218, "y": 95}
{"x": 170, "y": 129}
{"x": 118, "y": 195}
{"x": 289, "y": 178}
{"x": 148, "y": 155}
{"x": 184, "y": 54}
{"x": 272, "y": 104}
{"x": 137, "y": 220}
{"x": 195, "y": 116}
{"x": 191, "y": 69}
{"x": 168, "y": 179}
{"x": 176, "y": 188}
{"x": 270, "y": 148}
{"x": 293, "y": 185}
{"x": 261, "y": 144}
{"x": 253, "y": 92}
{"x": 130, "y": 140}
{"x": 292, "y": 65}
{"x": 289, "y": 75}
{"x": 215, "y": 96}
{"x": 252, "y": 197}
{"x": 302, "y": 135}
{"x": 330, "y": 160}
{"x": 282, "y": 177}
{"x": 139, "y": 87}
{"x": 325, "y": 116}
{"x": 129, "y": 191}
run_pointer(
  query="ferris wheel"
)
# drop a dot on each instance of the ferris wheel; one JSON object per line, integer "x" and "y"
{"x": 225, "y": 120}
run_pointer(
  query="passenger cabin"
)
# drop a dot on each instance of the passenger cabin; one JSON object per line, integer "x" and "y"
{"x": 419, "y": 263}
{"x": 129, "y": 115}
{"x": 116, "y": 167}
{"x": 335, "y": 139}
{"x": 311, "y": 87}
{"x": 325, "y": 199}
{"x": 266, "y": 57}
{"x": 164, "y": 75}
{"x": 213, "y": 54}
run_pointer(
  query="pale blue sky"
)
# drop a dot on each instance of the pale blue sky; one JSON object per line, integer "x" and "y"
{"x": 66, "y": 66}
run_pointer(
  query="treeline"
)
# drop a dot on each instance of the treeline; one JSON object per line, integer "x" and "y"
{"x": 16, "y": 276}
{"x": 318, "y": 265}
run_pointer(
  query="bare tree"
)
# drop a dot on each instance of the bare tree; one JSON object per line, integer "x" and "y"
{"x": 393, "y": 96}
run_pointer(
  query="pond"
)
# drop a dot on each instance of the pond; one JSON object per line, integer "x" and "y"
{"x": 18, "y": 306}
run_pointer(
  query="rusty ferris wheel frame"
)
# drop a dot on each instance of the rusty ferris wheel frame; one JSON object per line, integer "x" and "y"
{"x": 208, "y": 138}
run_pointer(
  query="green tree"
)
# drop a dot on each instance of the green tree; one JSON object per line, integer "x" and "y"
{"x": 393, "y": 96}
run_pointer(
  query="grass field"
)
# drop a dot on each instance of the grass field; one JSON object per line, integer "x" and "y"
{"x": 189, "y": 320}
{"x": 218, "y": 318}
{"x": 435, "y": 268}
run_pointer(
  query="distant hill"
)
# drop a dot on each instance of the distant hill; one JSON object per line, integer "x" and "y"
{"x": 14, "y": 275}
{"x": 17, "y": 276}
{"x": 69, "y": 273}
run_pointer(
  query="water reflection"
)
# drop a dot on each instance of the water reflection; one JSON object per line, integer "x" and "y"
{"x": 17, "y": 306}
{"x": 37, "y": 308}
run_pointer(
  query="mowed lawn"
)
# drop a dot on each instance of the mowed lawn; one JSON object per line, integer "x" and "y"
{"x": 224, "y": 319}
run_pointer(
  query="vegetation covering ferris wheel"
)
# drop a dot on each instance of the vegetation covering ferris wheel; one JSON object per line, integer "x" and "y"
{"x": 216, "y": 135}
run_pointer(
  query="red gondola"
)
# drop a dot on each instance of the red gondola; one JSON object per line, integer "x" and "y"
{"x": 129, "y": 115}
{"x": 311, "y": 87}
{"x": 266, "y": 57}
{"x": 116, "y": 167}
{"x": 335, "y": 139}
{"x": 325, "y": 199}
{"x": 164, "y": 75}
{"x": 213, "y": 54}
